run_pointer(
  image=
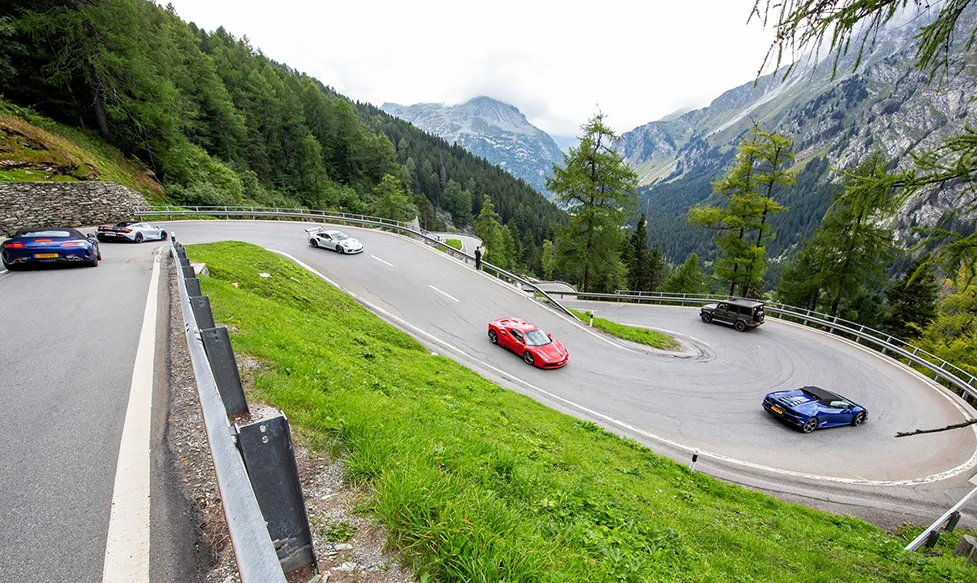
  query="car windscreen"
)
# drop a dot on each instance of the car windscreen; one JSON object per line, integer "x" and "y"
{"x": 338, "y": 236}
{"x": 49, "y": 233}
{"x": 537, "y": 338}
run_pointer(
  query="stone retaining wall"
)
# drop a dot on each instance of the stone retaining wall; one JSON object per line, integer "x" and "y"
{"x": 64, "y": 204}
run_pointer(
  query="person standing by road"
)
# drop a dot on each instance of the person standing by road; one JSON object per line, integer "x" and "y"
{"x": 478, "y": 257}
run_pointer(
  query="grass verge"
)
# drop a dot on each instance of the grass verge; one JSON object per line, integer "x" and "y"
{"x": 640, "y": 335}
{"x": 37, "y": 149}
{"x": 478, "y": 483}
{"x": 453, "y": 243}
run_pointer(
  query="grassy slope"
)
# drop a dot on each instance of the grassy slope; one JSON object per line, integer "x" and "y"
{"x": 38, "y": 149}
{"x": 453, "y": 243}
{"x": 478, "y": 483}
{"x": 640, "y": 335}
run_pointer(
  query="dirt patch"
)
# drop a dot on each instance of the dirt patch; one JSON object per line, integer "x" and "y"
{"x": 350, "y": 546}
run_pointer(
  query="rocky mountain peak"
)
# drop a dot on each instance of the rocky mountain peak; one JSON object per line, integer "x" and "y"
{"x": 490, "y": 128}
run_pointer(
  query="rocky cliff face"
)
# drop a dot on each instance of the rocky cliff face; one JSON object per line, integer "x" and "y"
{"x": 491, "y": 129}
{"x": 886, "y": 104}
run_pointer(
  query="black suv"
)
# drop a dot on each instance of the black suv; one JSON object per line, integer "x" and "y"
{"x": 742, "y": 314}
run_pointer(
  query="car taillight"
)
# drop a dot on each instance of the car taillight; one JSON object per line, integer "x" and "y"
{"x": 73, "y": 244}
{"x": 14, "y": 245}
{"x": 126, "y": 231}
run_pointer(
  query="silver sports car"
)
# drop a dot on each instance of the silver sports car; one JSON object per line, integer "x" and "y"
{"x": 335, "y": 240}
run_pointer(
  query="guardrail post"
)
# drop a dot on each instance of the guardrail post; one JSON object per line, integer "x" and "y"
{"x": 202, "y": 312}
{"x": 270, "y": 460}
{"x": 217, "y": 345}
{"x": 193, "y": 286}
{"x": 188, "y": 271}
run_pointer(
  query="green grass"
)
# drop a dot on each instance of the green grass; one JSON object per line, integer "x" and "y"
{"x": 640, "y": 335}
{"x": 453, "y": 243}
{"x": 478, "y": 483}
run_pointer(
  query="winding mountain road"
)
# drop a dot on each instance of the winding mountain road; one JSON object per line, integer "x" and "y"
{"x": 69, "y": 364}
{"x": 706, "y": 397}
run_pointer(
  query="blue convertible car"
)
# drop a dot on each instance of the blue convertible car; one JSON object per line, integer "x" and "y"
{"x": 810, "y": 408}
{"x": 49, "y": 245}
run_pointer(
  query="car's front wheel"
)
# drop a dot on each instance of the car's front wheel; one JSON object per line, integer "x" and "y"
{"x": 706, "y": 317}
{"x": 528, "y": 357}
{"x": 340, "y": 250}
{"x": 858, "y": 419}
{"x": 810, "y": 425}
{"x": 740, "y": 326}
{"x": 493, "y": 337}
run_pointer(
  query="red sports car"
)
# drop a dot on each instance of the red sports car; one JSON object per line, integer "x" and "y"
{"x": 528, "y": 341}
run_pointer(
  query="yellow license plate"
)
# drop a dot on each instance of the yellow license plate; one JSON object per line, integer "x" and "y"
{"x": 46, "y": 255}
{"x": 777, "y": 410}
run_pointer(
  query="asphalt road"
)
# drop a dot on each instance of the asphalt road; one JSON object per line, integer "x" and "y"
{"x": 68, "y": 339}
{"x": 708, "y": 397}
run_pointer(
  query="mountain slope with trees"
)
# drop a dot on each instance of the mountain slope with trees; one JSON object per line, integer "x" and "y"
{"x": 217, "y": 122}
{"x": 834, "y": 117}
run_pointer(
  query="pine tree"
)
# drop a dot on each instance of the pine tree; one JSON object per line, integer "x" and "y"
{"x": 911, "y": 301}
{"x": 488, "y": 229}
{"x": 687, "y": 279}
{"x": 761, "y": 165}
{"x": 599, "y": 191}
{"x": 390, "y": 200}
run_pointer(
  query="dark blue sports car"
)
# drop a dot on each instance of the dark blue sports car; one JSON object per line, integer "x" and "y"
{"x": 49, "y": 245}
{"x": 810, "y": 408}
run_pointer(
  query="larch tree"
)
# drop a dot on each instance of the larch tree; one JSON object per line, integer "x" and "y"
{"x": 599, "y": 191}
{"x": 761, "y": 165}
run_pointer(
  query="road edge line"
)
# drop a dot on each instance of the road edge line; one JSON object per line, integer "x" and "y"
{"x": 127, "y": 543}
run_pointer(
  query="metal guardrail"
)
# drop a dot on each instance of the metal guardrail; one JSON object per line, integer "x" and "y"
{"x": 257, "y": 560}
{"x": 407, "y": 229}
{"x": 942, "y": 370}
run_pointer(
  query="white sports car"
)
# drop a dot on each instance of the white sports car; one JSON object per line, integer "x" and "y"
{"x": 335, "y": 240}
{"x": 130, "y": 231}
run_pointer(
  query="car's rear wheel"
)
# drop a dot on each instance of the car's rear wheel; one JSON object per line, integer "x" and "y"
{"x": 94, "y": 261}
{"x": 139, "y": 237}
{"x": 100, "y": 237}
{"x": 163, "y": 236}
{"x": 528, "y": 357}
{"x": 706, "y": 317}
{"x": 859, "y": 419}
{"x": 314, "y": 243}
{"x": 740, "y": 326}
{"x": 493, "y": 337}
{"x": 8, "y": 266}
{"x": 810, "y": 425}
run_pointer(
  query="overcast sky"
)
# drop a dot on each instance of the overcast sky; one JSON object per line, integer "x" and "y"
{"x": 556, "y": 61}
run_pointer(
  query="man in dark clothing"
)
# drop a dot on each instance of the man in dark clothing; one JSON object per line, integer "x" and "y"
{"x": 478, "y": 257}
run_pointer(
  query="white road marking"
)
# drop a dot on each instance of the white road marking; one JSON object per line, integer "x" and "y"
{"x": 733, "y": 461}
{"x": 444, "y": 293}
{"x": 127, "y": 546}
{"x": 381, "y": 260}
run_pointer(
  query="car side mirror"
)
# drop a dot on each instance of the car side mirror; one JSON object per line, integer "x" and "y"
{"x": 550, "y": 335}
{"x": 90, "y": 235}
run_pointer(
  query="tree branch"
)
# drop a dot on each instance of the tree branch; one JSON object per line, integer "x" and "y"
{"x": 947, "y": 428}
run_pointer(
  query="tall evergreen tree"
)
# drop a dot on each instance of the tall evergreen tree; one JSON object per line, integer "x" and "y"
{"x": 761, "y": 164}
{"x": 687, "y": 279}
{"x": 599, "y": 191}
{"x": 488, "y": 229}
{"x": 911, "y": 301}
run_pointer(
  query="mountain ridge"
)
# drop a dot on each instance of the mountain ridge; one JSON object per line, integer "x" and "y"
{"x": 492, "y": 129}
